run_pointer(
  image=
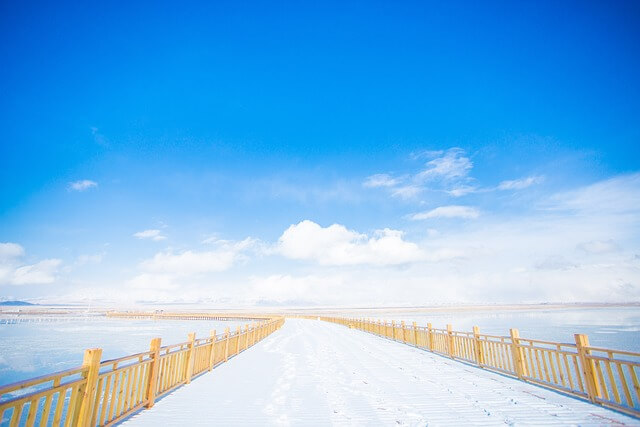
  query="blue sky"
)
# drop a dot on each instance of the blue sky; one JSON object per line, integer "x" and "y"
{"x": 162, "y": 152}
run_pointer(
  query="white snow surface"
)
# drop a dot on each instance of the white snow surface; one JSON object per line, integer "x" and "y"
{"x": 317, "y": 373}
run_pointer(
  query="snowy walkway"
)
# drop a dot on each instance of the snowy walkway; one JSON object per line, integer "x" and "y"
{"x": 318, "y": 373}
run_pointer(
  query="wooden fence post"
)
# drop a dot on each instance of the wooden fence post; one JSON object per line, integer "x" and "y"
{"x": 213, "y": 349}
{"x": 246, "y": 338}
{"x": 393, "y": 329}
{"x": 404, "y": 331}
{"x": 588, "y": 371}
{"x": 450, "y": 340}
{"x": 227, "y": 332}
{"x": 154, "y": 348}
{"x": 415, "y": 334}
{"x": 478, "y": 346}
{"x": 238, "y": 333}
{"x": 253, "y": 333}
{"x": 516, "y": 351}
{"x": 87, "y": 392}
{"x": 190, "y": 354}
{"x": 430, "y": 336}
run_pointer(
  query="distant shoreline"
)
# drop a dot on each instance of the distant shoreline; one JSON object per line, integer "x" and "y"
{"x": 61, "y": 309}
{"x": 470, "y": 307}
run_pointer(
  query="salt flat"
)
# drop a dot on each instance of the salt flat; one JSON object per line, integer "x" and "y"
{"x": 318, "y": 373}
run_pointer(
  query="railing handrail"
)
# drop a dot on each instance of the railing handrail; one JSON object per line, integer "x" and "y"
{"x": 8, "y": 388}
{"x": 105, "y": 396}
{"x": 574, "y": 369}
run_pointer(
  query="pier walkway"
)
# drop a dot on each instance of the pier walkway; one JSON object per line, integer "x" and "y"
{"x": 319, "y": 373}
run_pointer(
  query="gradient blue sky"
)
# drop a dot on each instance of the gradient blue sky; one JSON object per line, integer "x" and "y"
{"x": 503, "y": 140}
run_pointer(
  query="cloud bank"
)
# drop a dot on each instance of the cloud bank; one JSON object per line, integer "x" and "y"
{"x": 336, "y": 245}
{"x": 14, "y": 271}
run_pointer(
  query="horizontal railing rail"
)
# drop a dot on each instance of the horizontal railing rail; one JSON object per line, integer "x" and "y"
{"x": 603, "y": 376}
{"x": 102, "y": 393}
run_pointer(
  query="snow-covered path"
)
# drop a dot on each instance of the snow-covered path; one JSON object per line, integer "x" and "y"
{"x": 318, "y": 373}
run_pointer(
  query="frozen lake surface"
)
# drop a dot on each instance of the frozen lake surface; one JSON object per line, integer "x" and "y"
{"x": 30, "y": 349}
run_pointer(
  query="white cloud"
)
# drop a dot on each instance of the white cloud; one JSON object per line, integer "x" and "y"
{"x": 14, "y": 271}
{"x": 336, "y": 245}
{"x": 82, "y": 185}
{"x": 619, "y": 195}
{"x": 462, "y": 190}
{"x": 381, "y": 180}
{"x": 532, "y": 256}
{"x": 519, "y": 184}
{"x": 39, "y": 273}
{"x": 452, "y": 165}
{"x": 578, "y": 245}
{"x": 453, "y": 211}
{"x": 428, "y": 154}
{"x": 10, "y": 250}
{"x": 155, "y": 235}
{"x": 407, "y": 191}
{"x": 193, "y": 263}
{"x": 445, "y": 169}
{"x": 214, "y": 240}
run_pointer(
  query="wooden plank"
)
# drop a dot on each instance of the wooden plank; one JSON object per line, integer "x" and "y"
{"x": 118, "y": 396}
{"x": 15, "y": 418}
{"x": 46, "y": 410}
{"x": 625, "y": 387}
{"x": 31, "y": 415}
{"x": 612, "y": 382}
{"x": 105, "y": 400}
{"x": 544, "y": 365}
{"x": 634, "y": 379}
{"x": 71, "y": 407}
{"x": 96, "y": 405}
{"x": 57, "y": 415}
{"x": 600, "y": 377}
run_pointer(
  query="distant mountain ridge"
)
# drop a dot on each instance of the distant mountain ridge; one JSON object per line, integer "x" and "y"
{"x": 16, "y": 303}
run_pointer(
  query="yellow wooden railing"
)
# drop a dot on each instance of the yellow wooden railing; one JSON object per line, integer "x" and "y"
{"x": 602, "y": 376}
{"x": 104, "y": 393}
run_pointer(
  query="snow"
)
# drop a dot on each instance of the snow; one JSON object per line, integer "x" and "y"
{"x": 317, "y": 373}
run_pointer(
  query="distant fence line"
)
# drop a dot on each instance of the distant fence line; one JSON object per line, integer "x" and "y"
{"x": 43, "y": 319}
{"x": 185, "y": 316}
{"x": 602, "y": 376}
{"x": 105, "y": 392}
